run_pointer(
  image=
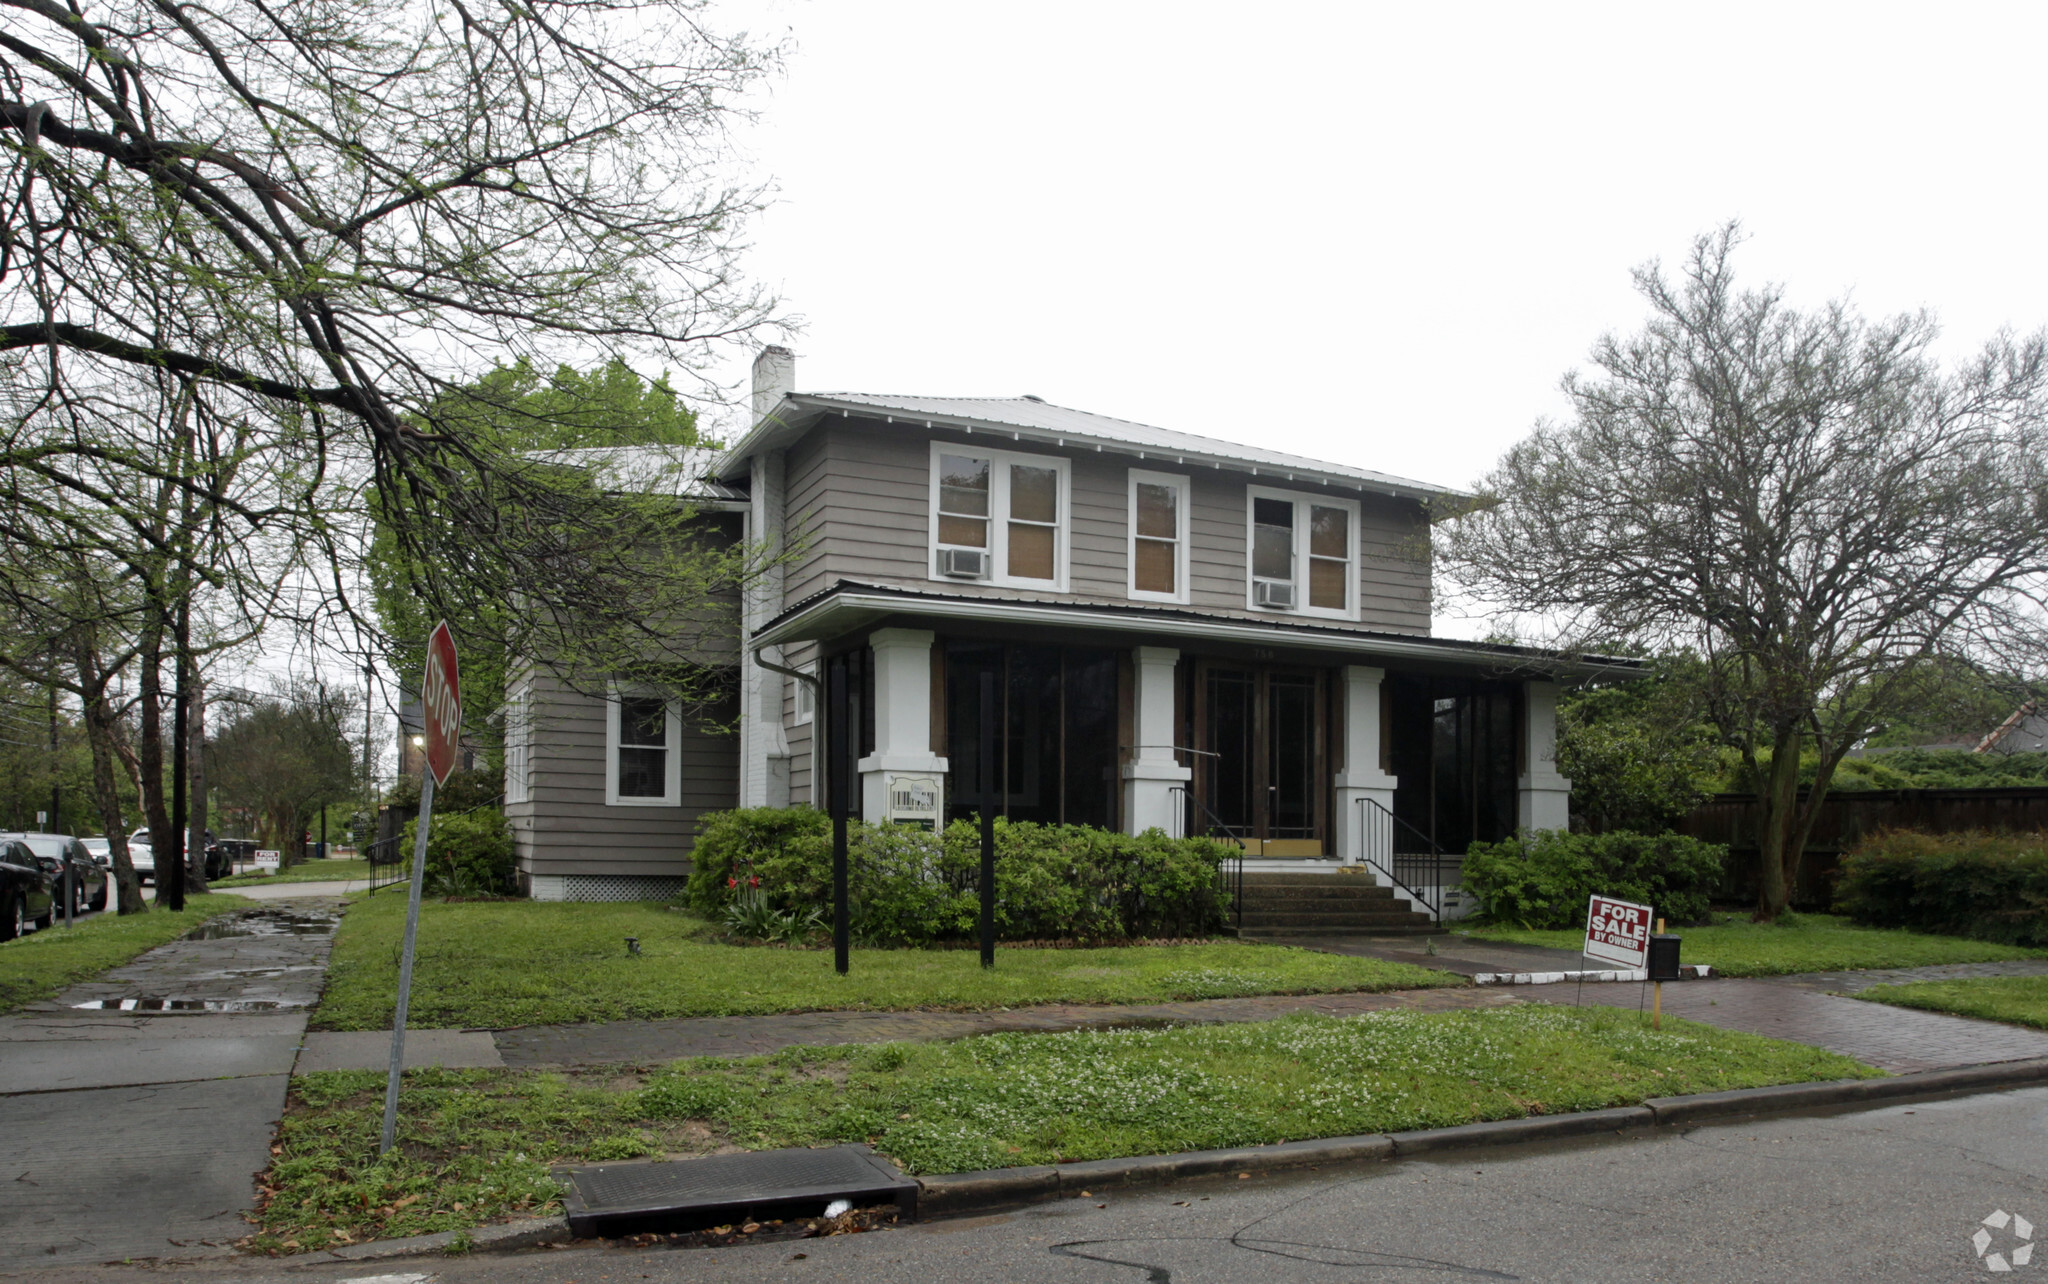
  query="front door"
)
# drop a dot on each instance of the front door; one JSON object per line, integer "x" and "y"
{"x": 1263, "y": 731}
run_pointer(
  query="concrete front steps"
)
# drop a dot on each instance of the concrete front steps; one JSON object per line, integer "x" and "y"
{"x": 1326, "y": 904}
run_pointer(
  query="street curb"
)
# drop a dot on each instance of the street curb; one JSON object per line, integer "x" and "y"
{"x": 994, "y": 1189}
{"x": 529, "y": 1232}
{"x": 959, "y": 1194}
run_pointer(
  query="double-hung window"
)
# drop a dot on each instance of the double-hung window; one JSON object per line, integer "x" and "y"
{"x": 519, "y": 745}
{"x": 1158, "y": 552}
{"x": 998, "y": 517}
{"x": 643, "y": 762}
{"x": 1304, "y": 553}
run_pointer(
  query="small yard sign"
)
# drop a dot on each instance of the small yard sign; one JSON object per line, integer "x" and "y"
{"x": 1618, "y": 931}
{"x": 271, "y": 859}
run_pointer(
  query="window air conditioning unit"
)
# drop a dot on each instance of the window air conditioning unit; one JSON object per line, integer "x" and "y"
{"x": 1275, "y": 594}
{"x": 963, "y": 563}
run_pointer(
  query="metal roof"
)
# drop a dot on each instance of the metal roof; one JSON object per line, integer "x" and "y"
{"x": 1030, "y": 417}
{"x": 689, "y": 472}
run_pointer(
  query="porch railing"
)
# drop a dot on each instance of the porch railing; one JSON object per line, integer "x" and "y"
{"x": 1209, "y": 825}
{"x": 387, "y": 862}
{"x": 1409, "y": 858}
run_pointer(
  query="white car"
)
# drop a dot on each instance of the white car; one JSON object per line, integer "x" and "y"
{"x": 143, "y": 857}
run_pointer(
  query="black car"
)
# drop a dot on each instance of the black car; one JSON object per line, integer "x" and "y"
{"x": 25, "y": 894}
{"x": 59, "y": 853}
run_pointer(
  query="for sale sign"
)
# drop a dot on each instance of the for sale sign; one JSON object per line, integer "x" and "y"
{"x": 1618, "y": 931}
{"x": 441, "y": 703}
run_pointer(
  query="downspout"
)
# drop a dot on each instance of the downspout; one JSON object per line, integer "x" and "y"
{"x": 817, "y": 687}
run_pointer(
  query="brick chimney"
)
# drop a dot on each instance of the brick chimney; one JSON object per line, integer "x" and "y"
{"x": 774, "y": 378}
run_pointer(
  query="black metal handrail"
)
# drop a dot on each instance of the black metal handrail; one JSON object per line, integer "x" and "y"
{"x": 1379, "y": 845}
{"x": 387, "y": 862}
{"x": 1234, "y": 877}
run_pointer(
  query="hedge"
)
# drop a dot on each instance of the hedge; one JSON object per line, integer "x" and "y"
{"x": 912, "y": 887}
{"x": 1993, "y": 887}
{"x": 1543, "y": 879}
{"x": 468, "y": 852}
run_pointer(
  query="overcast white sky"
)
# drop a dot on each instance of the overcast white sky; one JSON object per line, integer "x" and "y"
{"x": 1374, "y": 233}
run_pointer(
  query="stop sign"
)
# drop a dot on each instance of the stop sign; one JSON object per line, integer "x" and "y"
{"x": 441, "y": 703}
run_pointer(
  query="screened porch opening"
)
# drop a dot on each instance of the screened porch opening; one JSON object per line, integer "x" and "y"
{"x": 1453, "y": 745}
{"x": 1056, "y": 732}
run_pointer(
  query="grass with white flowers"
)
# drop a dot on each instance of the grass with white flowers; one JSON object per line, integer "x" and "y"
{"x": 477, "y": 1144}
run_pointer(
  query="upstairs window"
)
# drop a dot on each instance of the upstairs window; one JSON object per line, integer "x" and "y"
{"x": 999, "y": 518}
{"x": 1158, "y": 554}
{"x": 1304, "y": 554}
{"x": 642, "y": 765}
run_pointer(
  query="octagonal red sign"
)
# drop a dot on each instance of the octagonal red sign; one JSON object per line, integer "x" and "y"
{"x": 441, "y": 703}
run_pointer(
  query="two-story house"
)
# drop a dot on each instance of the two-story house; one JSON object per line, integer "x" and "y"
{"x": 1183, "y": 632}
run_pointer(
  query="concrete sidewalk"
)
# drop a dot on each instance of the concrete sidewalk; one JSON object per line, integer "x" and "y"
{"x": 138, "y": 1108}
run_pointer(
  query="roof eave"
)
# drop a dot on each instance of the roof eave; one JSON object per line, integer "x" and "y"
{"x": 848, "y": 606}
{"x": 795, "y": 413}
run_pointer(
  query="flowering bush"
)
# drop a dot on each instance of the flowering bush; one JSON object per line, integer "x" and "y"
{"x": 911, "y": 887}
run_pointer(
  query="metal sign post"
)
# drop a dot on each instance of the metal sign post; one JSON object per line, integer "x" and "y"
{"x": 990, "y": 782}
{"x": 441, "y": 709}
{"x": 839, "y": 747}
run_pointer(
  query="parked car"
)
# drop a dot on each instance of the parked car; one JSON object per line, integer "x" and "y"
{"x": 102, "y": 853}
{"x": 25, "y": 894}
{"x": 60, "y": 854}
{"x": 218, "y": 864}
{"x": 143, "y": 857}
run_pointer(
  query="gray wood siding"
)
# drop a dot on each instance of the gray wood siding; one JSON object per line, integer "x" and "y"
{"x": 859, "y": 491}
{"x": 566, "y": 826}
{"x": 799, "y": 738}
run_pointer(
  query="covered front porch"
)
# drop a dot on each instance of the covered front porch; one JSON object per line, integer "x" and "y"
{"x": 1315, "y": 749}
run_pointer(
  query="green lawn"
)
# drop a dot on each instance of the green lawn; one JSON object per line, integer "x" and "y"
{"x": 505, "y": 963}
{"x": 476, "y": 1145}
{"x": 312, "y": 871}
{"x": 42, "y": 963}
{"x": 1798, "y": 943}
{"x": 2019, "y": 1000}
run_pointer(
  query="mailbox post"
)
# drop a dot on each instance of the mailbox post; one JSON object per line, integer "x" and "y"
{"x": 1663, "y": 966}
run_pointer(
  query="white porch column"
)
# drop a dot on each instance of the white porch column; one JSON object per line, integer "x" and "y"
{"x": 903, "y": 718}
{"x": 1362, "y": 776}
{"x": 1543, "y": 798}
{"x": 1153, "y": 772}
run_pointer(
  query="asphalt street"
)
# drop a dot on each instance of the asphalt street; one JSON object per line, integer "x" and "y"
{"x": 1893, "y": 1194}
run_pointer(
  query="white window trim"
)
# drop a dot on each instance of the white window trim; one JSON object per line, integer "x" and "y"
{"x": 672, "y": 795}
{"x": 1301, "y": 501}
{"x": 519, "y": 744}
{"x": 1184, "y": 497}
{"x": 999, "y": 516}
{"x": 803, "y": 699}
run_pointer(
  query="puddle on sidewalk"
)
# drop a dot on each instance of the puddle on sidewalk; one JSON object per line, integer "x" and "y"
{"x": 186, "y": 1005}
{"x": 264, "y": 922}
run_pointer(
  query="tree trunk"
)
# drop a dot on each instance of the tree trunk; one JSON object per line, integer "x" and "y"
{"x": 195, "y": 756}
{"x": 1781, "y": 838}
{"x": 100, "y": 734}
{"x": 149, "y": 746}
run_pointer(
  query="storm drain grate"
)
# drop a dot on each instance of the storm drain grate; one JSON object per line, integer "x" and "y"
{"x": 692, "y": 1194}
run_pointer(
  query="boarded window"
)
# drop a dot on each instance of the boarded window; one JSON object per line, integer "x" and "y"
{"x": 1034, "y": 521}
{"x": 1156, "y": 552}
{"x": 963, "y": 501}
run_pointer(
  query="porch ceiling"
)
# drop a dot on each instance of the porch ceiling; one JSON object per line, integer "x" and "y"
{"x": 851, "y": 604}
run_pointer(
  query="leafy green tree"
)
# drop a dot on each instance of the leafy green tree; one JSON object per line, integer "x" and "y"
{"x": 1809, "y": 501}
{"x": 1640, "y": 755}
{"x": 282, "y": 758}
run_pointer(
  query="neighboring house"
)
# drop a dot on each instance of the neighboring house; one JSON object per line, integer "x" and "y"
{"x": 412, "y": 740}
{"x": 1184, "y": 633}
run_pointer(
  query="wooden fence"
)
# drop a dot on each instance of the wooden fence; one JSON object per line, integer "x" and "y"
{"x": 1845, "y": 816}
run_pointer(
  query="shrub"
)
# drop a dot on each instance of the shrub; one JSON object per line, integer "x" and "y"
{"x": 468, "y": 852}
{"x": 1990, "y": 886}
{"x": 1543, "y": 879}
{"x": 911, "y": 887}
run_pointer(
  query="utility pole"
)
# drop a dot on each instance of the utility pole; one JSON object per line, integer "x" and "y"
{"x": 56, "y": 787}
